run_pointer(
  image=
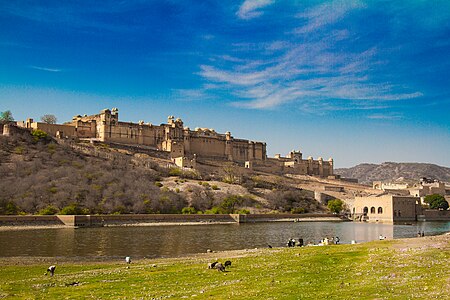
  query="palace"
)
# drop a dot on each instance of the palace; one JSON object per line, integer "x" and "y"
{"x": 181, "y": 143}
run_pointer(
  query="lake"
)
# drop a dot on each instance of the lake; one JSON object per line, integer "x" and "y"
{"x": 179, "y": 240}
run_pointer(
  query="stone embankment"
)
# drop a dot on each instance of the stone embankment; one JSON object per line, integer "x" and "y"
{"x": 157, "y": 219}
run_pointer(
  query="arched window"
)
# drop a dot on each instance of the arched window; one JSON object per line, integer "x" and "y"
{"x": 372, "y": 210}
{"x": 380, "y": 210}
{"x": 365, "y": 210}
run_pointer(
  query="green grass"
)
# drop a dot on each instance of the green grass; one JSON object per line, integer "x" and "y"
{"x": 377, "y": 270}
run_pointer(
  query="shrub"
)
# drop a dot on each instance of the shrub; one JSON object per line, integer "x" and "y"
{"x": 173, "y": 171}
{"x": 335, "y": 205}
{"x": 215, "y": 187}
{"x": 49, "y": 210}
{"x": 73, "y": 209}
{"x": 158, "y": 184}
{"x": 9, "y": 208}
{"x": 298, "y": 210}
{"x": 39, "y": 135}
{"x": 188, "y": 210}
{"x": 243, "y": 211}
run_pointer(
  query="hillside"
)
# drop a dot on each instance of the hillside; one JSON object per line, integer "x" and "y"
{"x": 391, "y": 171}
{"x": 41, "y": 176}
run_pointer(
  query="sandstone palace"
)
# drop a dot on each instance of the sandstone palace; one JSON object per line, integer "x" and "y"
{"x": 181, "y": 143}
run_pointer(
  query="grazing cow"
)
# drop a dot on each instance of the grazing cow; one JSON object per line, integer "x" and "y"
{"x": 51, "y": 270}
{"x": 212, "y": 265}
{"x": 220, "y": 267}
{"x": 227, "y": 264}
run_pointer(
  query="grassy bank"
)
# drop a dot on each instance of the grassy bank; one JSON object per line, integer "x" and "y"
{"x": 398, "y": 269}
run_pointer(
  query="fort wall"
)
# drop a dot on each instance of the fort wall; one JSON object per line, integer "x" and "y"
{"x": 179, "y": 141}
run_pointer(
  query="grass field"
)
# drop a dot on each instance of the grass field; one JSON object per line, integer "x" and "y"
{"x": 398, "y": 269}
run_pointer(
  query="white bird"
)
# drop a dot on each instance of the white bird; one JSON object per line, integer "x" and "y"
{"x": 128, "y": 260}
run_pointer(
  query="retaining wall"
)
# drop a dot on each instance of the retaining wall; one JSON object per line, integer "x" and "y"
{"x": 105, "y": 220}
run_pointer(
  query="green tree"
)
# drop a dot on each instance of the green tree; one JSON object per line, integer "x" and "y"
{"x": 6, "y": 117}
{"x": 436, "y": 201}
{"x": 229, "y": 204}
{"x": 49, "y": 119}
{"x": 336, "y": 205}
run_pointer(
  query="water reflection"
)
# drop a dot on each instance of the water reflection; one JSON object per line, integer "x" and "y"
{"x": 169, "y": 241}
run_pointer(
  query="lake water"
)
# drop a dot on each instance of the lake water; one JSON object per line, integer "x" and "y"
{"x": 172, "y": 241}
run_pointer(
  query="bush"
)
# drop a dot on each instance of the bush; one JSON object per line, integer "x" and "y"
{"x": 49, "y": 210}
{"x": 215, "y": 187}
{"x": 175, "y": 171}
{"x": 39, "y": 135}
{"x": 298, "y": 210}
{"x": 188, "y": 210}
{"x": 335, "y": 205}
{"x": 9, "y": 208}
{"x": 243, "y": 211}
{"x": 73, "y": 209}
{"x": 158, "y": 184}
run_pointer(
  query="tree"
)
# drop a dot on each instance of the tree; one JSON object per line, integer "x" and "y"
{"x": 49, "y": 119}
{"x": 436, "y": 201}
{"x": 335, "y": 205}
{"x": 6, "y": 117}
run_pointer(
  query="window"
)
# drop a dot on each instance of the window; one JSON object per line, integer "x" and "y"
{"x": 365, "y": 210}
{"x": 380, "y": 210}
{"x": 372, "y": 210}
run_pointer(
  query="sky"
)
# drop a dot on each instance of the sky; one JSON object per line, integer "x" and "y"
{"x": 359, "y": 81}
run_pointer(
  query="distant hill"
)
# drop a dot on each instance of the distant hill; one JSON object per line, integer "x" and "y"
{"x": 391, "y": 171}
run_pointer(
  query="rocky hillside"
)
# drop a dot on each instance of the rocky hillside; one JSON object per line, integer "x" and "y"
{"x": 40, "y": 176}
{"x": 390, "y": 171}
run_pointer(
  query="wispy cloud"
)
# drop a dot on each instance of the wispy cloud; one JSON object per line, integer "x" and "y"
{"x": 250, "y": 9}
{"x": 45, "y": 69}
{"x": 325, "y": 14}
{"x": 312, "y": 71}
{"x": 389, "y": 116}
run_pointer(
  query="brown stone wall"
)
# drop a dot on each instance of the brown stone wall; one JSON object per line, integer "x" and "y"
{"x": 51, "y": 129}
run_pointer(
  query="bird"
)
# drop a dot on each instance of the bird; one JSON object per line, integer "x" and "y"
{"x": 128, "y": 260}
{"x": 227, "y": 264}
{"x": 51, "y": 270}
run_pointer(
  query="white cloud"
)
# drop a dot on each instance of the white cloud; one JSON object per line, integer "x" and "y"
{"x": 325, "y": 14}
{"x": 46, "y": 69}
{"x": 251, "y": 8}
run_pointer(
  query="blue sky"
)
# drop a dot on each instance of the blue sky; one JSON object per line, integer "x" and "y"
{"x": 360, "y": 81}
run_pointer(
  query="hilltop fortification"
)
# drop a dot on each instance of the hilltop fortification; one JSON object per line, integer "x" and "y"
{"x": 183, "y": 145}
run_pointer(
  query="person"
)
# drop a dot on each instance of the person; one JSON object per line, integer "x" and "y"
{"x": 300, "y": 242}
{"x": 423, "y": 233}
{"x": 51, "y": 270}
{"x": 336, "y": 240}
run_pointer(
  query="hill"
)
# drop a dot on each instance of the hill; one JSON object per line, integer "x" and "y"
{"x": 41, "y": 175}
{"x": 391, "y": 171}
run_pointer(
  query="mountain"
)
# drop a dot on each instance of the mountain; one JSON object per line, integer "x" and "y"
{"x": 391, "y": 171}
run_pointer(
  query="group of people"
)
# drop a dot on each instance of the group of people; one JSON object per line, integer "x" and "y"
{"x": 293, "y": 243}
{"x": 326, "y": 241}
